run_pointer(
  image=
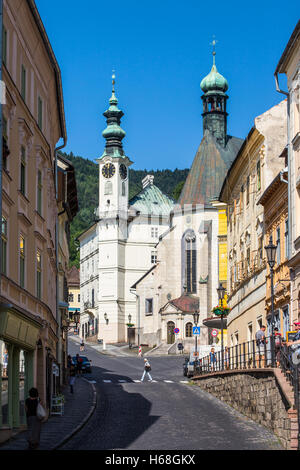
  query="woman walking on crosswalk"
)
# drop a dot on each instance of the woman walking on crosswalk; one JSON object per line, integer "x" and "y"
{"x": 147, "y": 369}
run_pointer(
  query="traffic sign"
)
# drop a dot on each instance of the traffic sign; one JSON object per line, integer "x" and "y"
{"x": 214, "y": 333}
{"x": 196, "y": 330}
{"x": 176, "y": 331}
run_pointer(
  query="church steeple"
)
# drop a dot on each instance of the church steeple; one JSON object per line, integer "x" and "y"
{"x": 214, "y": 86}
{"x": 113, "y": 133}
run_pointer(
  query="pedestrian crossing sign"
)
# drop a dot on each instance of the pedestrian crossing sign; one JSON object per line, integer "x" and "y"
{"x": 196, "y": 330}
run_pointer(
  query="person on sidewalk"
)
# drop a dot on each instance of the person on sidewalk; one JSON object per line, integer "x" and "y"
{"x": 147, "y": 369}
{"x": 213, "y": 359}
{"x": 82, "y": 346}
{"x": 261, "y": 341}
{"x": 78, "y": 365}
{"x": 33, "y": 422}
{"x": 72, "y": 377}
{"x": 277, "y": 345}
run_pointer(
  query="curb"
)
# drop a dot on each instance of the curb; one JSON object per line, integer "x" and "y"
{"x": 83, "y": 422}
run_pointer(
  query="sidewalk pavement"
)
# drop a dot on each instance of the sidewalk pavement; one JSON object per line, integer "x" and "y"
{"x": 59, "y": 429}
{"x": 110, "y": 350}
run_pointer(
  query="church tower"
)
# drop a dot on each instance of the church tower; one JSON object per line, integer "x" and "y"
{"x": 214, "y": 86}
{"x": 113, "y": 164}
{"x": 112, "y": 226}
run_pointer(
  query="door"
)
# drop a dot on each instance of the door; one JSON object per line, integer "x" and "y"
{"x": 286, "y": 320}
{"x": 170, "y": 332}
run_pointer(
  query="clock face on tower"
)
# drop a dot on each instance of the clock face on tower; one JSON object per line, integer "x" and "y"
{"x": 123, "y": 171}
{"x": 108, "y": 170}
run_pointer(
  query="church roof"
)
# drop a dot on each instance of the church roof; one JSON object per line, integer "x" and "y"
{"x": 151, "y": 200}
{"x": 187, "y": 303}
{"x": 208, "y": 170}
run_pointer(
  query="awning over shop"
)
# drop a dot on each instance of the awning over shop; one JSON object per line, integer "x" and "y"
{"x": 17, "y": 328}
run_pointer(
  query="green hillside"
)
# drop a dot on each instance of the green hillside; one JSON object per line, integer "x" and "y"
{"x": 170, "y": 182}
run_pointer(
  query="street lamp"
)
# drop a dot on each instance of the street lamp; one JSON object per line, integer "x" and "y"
{"x": 221, "y": 295}
{"x": 129, "y": 318}
{"x": 196, "y": 320}
{"x": 271, "y": 254}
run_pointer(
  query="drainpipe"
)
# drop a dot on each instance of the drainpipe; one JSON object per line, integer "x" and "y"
{"x": 290, "y": 172}
{"x": 289, "y": 164}
{"x": 1, "y": 132}
{"x": 58, "y": 316}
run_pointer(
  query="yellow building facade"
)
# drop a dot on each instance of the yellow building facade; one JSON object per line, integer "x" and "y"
{"x": 252, "y": 171}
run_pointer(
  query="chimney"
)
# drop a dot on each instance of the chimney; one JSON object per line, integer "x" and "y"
{"x": 147, "y": 180}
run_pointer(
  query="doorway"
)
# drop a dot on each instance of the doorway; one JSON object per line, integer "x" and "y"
{"x": 170, "y": 332}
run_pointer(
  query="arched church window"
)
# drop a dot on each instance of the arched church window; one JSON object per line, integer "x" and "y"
{"x": 189, "y": 330}
{"x": 190, "y": 260}
{"x": 108, "y": 188}
{"x": 123, "y": 189}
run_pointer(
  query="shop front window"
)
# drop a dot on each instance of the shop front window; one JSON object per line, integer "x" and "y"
{"x": 22, "y": 396}
{"x": 4, "y": 361}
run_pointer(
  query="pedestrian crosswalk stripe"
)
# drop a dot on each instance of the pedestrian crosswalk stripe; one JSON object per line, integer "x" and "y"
{"x": 138, "y": 381}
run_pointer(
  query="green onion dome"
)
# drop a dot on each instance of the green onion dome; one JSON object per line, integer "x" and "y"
{"x": 214, "y": 81}
{"x": 113, "y": 115}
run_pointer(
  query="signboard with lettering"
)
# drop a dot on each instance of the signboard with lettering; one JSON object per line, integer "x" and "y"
{"x": 290, "y": 335}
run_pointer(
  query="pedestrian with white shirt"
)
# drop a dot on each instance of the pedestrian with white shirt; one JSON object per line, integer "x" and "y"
{"x": 147, "y": 369}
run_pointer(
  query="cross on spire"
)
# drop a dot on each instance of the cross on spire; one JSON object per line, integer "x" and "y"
{"x": 213, "y": 43}
{"x": 113, "y": 80}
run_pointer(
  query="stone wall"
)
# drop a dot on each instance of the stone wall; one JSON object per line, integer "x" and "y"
{"x": 260, "y": 396}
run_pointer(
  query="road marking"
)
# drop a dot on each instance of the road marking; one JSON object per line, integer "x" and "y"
{"x": 139, "y": 381}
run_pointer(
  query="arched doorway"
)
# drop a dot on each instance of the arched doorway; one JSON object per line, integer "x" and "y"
{"x": 170, "y": 332}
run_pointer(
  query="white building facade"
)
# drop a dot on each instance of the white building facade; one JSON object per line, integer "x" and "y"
{"x": 121, "y": 246}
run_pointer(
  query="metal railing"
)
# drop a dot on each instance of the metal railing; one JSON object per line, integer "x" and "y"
{"x": 249, "y": 355}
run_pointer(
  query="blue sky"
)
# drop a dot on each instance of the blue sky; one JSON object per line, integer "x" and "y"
{"x": 160, "y": 51}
